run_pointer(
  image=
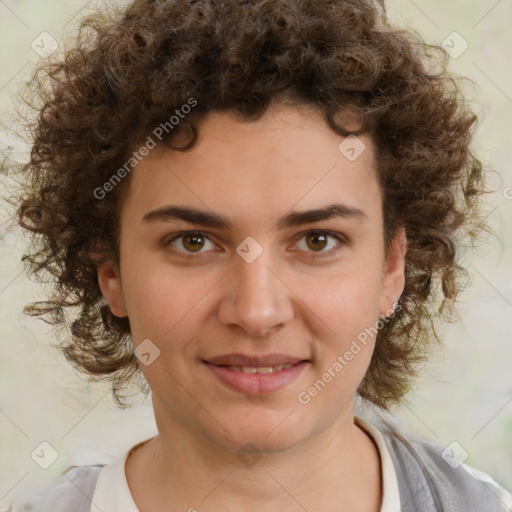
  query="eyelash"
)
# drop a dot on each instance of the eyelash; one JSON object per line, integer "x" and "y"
{"x": 338, "y": 236}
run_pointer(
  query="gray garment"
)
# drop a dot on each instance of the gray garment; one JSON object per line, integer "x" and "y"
{"x": 426, "y": 482}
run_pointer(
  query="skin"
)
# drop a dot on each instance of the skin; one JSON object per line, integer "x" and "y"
{"x": 310, "y": 456}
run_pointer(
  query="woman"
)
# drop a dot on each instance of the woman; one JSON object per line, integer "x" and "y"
{"x": 256, "y": 206}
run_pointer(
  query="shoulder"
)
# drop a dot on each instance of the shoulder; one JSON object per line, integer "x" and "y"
{"x": 71, "y": 493}
{"x": 431, "y": 477}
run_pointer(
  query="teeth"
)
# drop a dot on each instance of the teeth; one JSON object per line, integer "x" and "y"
{"x": 260, "y": 369}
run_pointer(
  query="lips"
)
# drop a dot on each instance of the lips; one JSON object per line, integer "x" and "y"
{"x": 256, "y": 384}
{"x": 238, "y": 371}
{"x": 254, "y": 360}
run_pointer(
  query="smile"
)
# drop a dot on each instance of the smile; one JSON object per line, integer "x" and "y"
{"x": 260, "y": 369}
{"x": 257, "y": 380}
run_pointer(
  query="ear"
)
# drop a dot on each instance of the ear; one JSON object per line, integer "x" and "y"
{"x": 394, "y": 272}
{"x": 109, "y": 279}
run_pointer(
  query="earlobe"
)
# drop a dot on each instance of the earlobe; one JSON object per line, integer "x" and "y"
{"x": 109, "y": 279}
{"x": 394, "y": 273}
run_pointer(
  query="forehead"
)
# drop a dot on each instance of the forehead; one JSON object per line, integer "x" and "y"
{"x": 289, "y": 158}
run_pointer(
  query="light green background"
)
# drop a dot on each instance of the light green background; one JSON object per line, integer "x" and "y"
{"x": 465, "y": 396}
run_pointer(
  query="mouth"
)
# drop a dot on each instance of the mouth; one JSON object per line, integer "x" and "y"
{"x": 247, "y": 361}
{"x": 259, "y": 369}
{"x": 257, "y": 380}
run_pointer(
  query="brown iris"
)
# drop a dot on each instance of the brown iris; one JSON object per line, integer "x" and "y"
{"x": 316, "y": 238}
{"x": 193, "y": 242}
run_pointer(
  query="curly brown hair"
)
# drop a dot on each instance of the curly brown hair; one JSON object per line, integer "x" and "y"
{"x": 130, "y": 68}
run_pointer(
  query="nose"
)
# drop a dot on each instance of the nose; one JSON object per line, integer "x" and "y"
{"x": 255, "y": 298}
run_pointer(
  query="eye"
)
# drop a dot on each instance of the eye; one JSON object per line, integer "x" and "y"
{"x": 324, "y": 243}
{"x": 316, "y": 241}
{"x": 191, "y": 242}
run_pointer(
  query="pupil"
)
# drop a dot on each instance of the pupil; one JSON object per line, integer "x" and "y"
{"x": 317, "y": 237}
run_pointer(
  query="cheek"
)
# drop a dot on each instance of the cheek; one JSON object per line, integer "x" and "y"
{"x": 165, "y": 305}
{"x": 170, "y": 314}
{"x": 347, "y": 304}
{"x": 344, "y": 300}
{"x": 344, "y": 349}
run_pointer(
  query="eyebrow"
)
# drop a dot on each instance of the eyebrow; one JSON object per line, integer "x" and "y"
{"x": 215, "y": 220}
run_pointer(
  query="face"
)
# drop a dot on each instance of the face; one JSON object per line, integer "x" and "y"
{"x": 262, "y": 245}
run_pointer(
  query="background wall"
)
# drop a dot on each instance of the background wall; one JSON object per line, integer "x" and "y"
{"x": 464, "y": 397}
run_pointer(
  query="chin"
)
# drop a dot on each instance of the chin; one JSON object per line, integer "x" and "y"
{"x": 257, "y": 436}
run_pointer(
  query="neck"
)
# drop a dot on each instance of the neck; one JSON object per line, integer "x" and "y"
{"x": 336, "y": 469}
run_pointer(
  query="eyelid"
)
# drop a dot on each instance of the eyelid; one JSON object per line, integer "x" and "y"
{"x": 335, "y": 234}
{"x": 340, "y": 237}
